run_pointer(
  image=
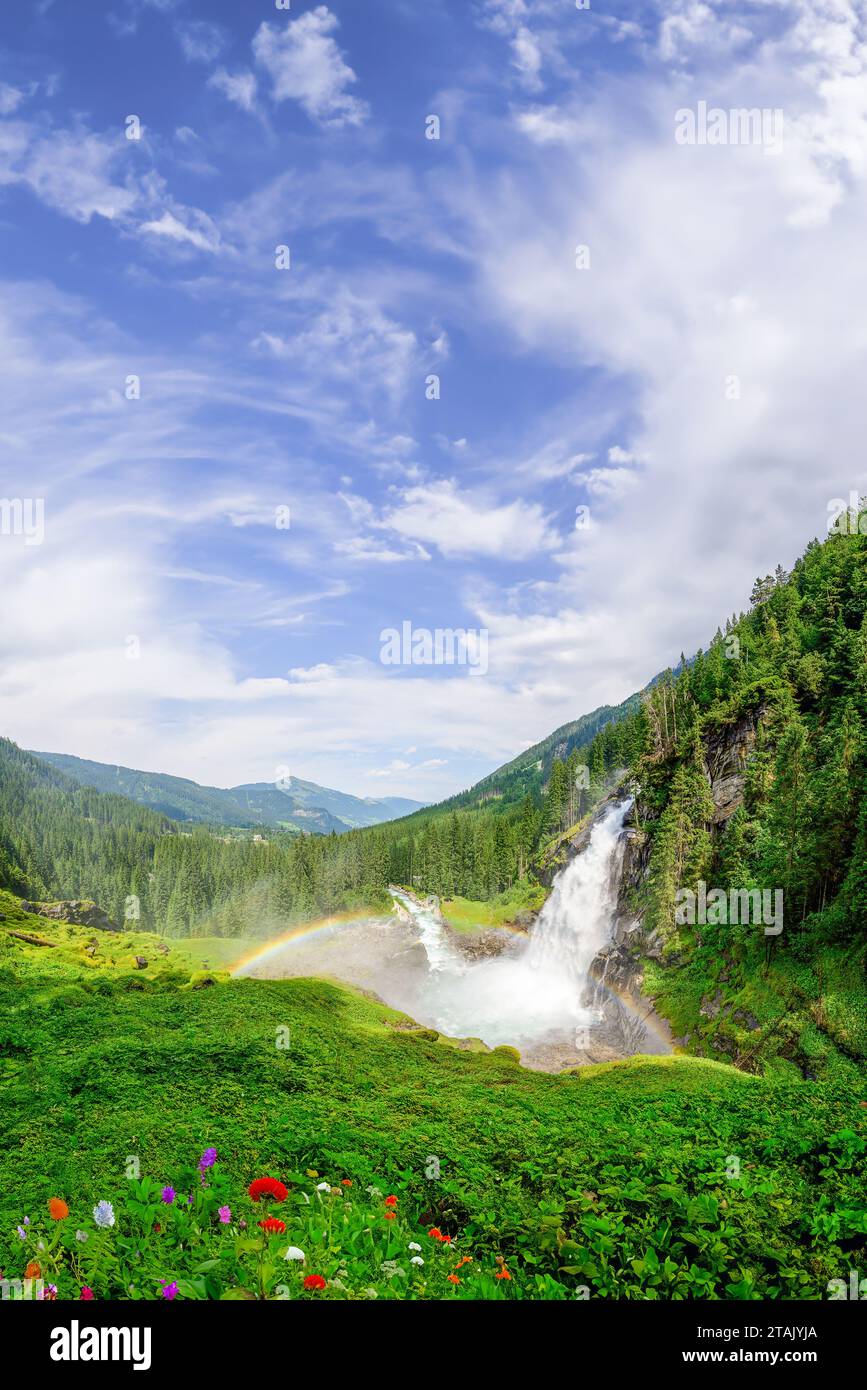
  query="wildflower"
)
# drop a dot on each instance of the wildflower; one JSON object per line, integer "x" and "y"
{"x": 312, "y": 1173}
{"x": 435, "y": 1233}
{"x": 503, "y": 1273}
{"x": 371, "y": 1293}
{"x": 27, "y": 1221}
{"x": 314, "y": 1281}
{"x": 346, "y": 1182}
{"x": 268, "y": 1187}
{"x": 453, "y": 1278}
{"x": 323, "y": 1187}
{"x": 391, "y": 1201}
{"x": 57, "y": 1209}
{"x": 49, "y": 1293}
{"x": 414, "y": 1245}
{"x": 293, "y": 1253}
{"x": 86, "y": 1294}
{"x": 103, "y": 1214}
{"x": 33, "y": 1271}
{"x": 416, "y": 1260}
{"x": 467, "y": 1260}
{"x": 273, "y": 1226}
{"x": 157, "y": 1229}
{"x": 22, "y": 1234}
{"x": 169, "y": 1291}
{"x": 225, "y": 1215}
{"x": 81, "y": 1236}
{"x": 168, "y": 1195}
{"x": 389, "y": 1215}
{"x": 207, "y": 1160}
{"x": 242, "y": 1225}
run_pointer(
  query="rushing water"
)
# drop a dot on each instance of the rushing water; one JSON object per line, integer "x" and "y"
{"x": 541, "y": 988}
{"x": 538, "y": 994}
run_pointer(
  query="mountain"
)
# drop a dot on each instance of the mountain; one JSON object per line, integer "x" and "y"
{"x": 294, "y": 805}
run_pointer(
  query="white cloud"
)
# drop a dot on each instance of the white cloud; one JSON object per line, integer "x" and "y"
{"x": 306, "y": 65}
{"x": 10, "y": 98}
{"x": 202, "y": 234}
{"x": 460, "y": 523}
{"x": 239, "y": 88}
{"x": 201, "y": 41}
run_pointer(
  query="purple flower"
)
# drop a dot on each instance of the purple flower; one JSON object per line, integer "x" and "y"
{"x": 21, "y": 1232}
{"x": 225, "y": 1215}
{"x": 208, "y": 1159}
{"x": 168, "y": 1195}
{"x": 170, "y": 1291}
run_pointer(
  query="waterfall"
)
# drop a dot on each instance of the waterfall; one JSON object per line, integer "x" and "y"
{"x": 540, "y": 989}
{"x": 575, "y": 923}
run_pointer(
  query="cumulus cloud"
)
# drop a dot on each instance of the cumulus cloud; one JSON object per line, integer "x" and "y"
{"x": 305, "y": 64}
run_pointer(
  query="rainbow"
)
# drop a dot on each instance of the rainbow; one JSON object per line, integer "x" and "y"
{"x": 297, "y": 933}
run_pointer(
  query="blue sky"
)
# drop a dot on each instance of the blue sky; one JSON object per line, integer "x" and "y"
{"x": 255, "y": 647}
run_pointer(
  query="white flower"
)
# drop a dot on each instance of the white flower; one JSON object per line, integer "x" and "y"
{"x": 416, "y": 1260}
{"x": 81, "y": 1235}
{"x": 323, "y": 1187}
{"x": 414, "y": 1245}
{"x": 293, "y": 1253}
{"x": 103, "y": 1214}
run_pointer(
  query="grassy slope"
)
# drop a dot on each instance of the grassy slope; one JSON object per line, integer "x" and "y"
{"x": 584, "y": 1173}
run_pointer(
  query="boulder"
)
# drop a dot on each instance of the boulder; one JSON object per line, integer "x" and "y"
{"x": 77, "y": 912}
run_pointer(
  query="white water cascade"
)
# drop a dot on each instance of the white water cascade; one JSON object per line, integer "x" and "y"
{"x": 541, "y": 989}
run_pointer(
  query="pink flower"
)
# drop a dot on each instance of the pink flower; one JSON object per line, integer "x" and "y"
{"x": 86, "y": 1293}
{"x": 169, "y": 1291}
{"x": 225, "y": 1215}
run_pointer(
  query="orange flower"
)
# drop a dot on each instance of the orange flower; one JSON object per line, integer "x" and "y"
{"x": 453, "y": 1278}
{"x": 435, "y": 1233}
{"x": 346, "y": 1182}
{"x": 391, "y": 1201}
{"x": 389, "y": 1215}
{"x": 503, "y": 1273}
{"x": 58, "y": 1209}
{"x": 467, "y": 1260}
{"x": 33, "y": 1271}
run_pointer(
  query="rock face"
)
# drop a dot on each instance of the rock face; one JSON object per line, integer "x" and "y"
{"x": 77, "y": 912}
{"x": 726, "y": 757}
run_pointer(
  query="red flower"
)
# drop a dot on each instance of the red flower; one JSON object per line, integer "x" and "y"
{"x": 314, "y": 1281}
{"x": 391, "y": 1201}
{"x": 268, "y": 1187}
{"x": 453, "y": 1278}
{"x": 503, "y": 1274}
{"x": 390, "y": 1215}
{"x": 435, "y": 1233}
{"x": 272, "y": 1226}
{"x": 86, "y": 1293}
{"x": 346, "y": 1182}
